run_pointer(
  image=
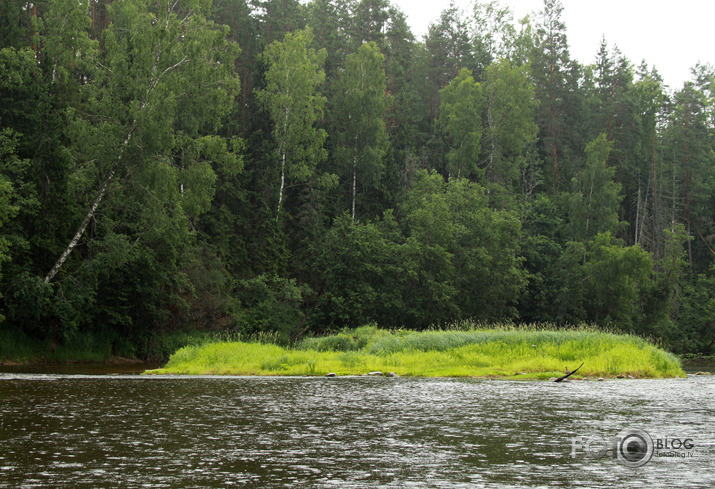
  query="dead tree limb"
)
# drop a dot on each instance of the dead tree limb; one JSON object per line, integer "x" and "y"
{"x": 563, "y": 377}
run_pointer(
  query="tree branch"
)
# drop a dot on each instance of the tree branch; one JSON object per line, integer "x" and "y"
{"x": 564, "y": 377}
{"x": 697, "y": 229}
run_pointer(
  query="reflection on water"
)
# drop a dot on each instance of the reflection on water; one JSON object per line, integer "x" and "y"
{"x": 126, "y": 368}
{"x": 131, "y": 431}
{"x": 694, "y": 366}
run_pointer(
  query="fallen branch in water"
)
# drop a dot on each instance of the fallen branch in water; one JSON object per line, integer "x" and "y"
{"x": 561, "y": 379}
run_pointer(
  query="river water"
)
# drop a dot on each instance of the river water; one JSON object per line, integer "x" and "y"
{"x": 112, "y": 431}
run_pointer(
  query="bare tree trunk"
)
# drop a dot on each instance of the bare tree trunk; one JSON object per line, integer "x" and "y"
{"x": 568, "y": 374}
{"x": 283, "y": 145}
{"x": 93, "y": 208}
{"x": 283, "y": 181}
{"x": 492, "y": 134}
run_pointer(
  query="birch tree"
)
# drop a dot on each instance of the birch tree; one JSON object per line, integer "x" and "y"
{"x": 460, "y": 120}
{"x": 510, "y": 107}
{"x": 360, "y": 111}
{"x": 165, "y": 78}
{"x": 493, "y": 32}
{"x": 294, "y": 104}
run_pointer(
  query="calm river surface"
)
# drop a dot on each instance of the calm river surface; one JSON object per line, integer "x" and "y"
{"x": 97, "y": 431}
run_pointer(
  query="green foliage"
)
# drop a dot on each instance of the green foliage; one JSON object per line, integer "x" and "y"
{"x": 294, "y": 105}
{"x": 614, "y": 277}
{"x": 16, "y": 346}
{"x": 494, "y": 32}
{"x": 346, "y": 340}
{"x": 448, "y": 49}
{"x": 697, "y": 320}
{"x": 360, "y": 266}
{"x": 556, "y": 78}
{"x": 65, "y": 43}
{"x": 142, "y": 153}
{"x": 510, "y": 109}
{"x": 360, "y": 126}
{"x": 429, "y": 264}
{"x": 593, "y": 203}
{"x": 162, "y": 80}
{"x": 8, "y": 206}
{"x": 476, "y": 244}
{"x": 604, "y": 282}
{"x": 271, "y": 304}
{"x": 460, "y": 119}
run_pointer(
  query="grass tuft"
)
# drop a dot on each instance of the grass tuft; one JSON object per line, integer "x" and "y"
{"x": 502, "y": 351}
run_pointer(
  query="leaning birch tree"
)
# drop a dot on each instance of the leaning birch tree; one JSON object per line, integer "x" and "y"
{"x": 163, "y": 82}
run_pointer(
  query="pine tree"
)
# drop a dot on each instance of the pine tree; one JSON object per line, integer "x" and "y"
{"x": 449, "y": 49}
{"x": 555, "y": 76}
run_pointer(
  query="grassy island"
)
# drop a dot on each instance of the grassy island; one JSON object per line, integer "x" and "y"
{"x": 505, "y": 352}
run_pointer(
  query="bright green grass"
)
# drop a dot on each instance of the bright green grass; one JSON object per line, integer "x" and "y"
{"x": 505, "y": 352}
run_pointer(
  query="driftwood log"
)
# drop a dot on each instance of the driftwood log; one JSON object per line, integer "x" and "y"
{"x": 561, "y": 379}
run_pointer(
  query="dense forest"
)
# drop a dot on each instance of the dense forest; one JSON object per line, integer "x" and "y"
{"x": 294, "y": 168}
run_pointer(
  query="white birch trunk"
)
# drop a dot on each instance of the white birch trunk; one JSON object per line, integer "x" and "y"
{"x": 157, "y": 76}
{"x": 283, "y": 145}
{"x": 283, "y": 182}
{"x": 93, "y": 208}
{"x": 492, "y": 137}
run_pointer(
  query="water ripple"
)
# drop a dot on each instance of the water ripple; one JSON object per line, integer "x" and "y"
{"x": 109, "y": 431}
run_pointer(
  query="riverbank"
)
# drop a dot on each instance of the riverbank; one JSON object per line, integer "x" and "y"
{"x": 525, "y": 353}
{"x": 100, "y": 347}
